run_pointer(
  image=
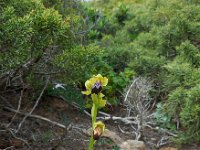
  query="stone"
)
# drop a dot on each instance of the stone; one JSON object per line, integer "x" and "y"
{"x": 124, "y": 145}
{"x": 132, "y": 145}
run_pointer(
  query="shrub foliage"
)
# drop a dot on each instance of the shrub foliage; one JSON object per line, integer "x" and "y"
{"x": 71, "y": 41}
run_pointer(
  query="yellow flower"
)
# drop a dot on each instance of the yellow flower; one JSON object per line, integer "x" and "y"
{"x": 99, "y": 128}
{"x": 95, "y": 84}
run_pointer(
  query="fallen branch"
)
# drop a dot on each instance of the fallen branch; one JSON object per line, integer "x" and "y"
{"x": 126, "y": 120}
{"x": 6, "y": 101}
{"x": 18, "y": 108}
{"x": 9, "y": 148}
{"x": 36, "y": 104}
{"x": 13, "y": 134}
{"x": 36, "y": 116}
{"x": 163, "y": 141}
{"x": 165, "y": 131}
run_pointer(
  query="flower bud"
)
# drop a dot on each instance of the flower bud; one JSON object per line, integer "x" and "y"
{"x": 99, "y": 128}
{"x": 97, "y": 133}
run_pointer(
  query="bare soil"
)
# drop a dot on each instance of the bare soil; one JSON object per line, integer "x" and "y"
{"x": 41, "y": 135}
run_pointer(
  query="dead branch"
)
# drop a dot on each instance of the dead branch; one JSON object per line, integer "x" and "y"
{"x": 9, "y": 148}
{"x": 138, "y": 103}
{"x": 129, "y": 89}
{"x": 7, "y": 77}
{"x": 124, "y": 132}
{"x": 13, "y": 134}
{"x": 36, "y": 104}
{"x": 126, "y": 120}
{"x": 36, "y": 116}
{"x": 18, "y": 107}
{"x": 6, "y": 101}
{"x": 165, "y": 131}
{"x": 23, "y": 70}
{"x": 163, "y": 141}
{"x": 138, "y": 135}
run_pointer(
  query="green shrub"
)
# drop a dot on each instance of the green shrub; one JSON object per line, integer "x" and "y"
{"x": 78, "y": 63}
{"x": 184, "y": 102}
{"x": 160, "y": 40}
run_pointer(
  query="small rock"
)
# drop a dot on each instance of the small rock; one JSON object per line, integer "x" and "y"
{"x": 124, "y": 145}
{"x": 132, "y": 145}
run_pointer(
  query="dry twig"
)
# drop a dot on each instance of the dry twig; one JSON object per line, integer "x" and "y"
{"x": 163, "y": 141}
{"x": 13, "y": 134}
{"x": 138, "y": 103}
{"x": 6, "y": 101}
{"x": 36, "y": 116}
{"x": 36, "y": 104}
{"x": 18, "y": 108}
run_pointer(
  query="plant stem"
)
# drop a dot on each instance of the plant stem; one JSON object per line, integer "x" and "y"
{"x": 91, "y": 143}
{"x": 94, "y": 114}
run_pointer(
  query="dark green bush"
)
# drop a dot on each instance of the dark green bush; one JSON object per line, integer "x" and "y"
{"x": 160, "y": 40}
{"x": 153, "y": 38}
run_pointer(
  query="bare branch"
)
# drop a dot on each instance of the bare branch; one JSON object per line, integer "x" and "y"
{"x": 129, "y": 89}
{"x": 18, "y": 108}
{"x": 6, "y": 101}
{"x": 126, "y": 120}
{"x": 163, "y": 141}
{"x": 10, "y": 130}
{"x": 36, "y": 104}
{"x": 36, "y": 116}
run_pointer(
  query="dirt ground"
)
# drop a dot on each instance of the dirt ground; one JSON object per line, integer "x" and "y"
{"x": 42, "y": 135}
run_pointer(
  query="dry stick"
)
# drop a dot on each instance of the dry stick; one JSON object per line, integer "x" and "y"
{"x": 36, "y": 116}
{"x": 18, "y": 107}
{"x": 24, "y": 141}
{"x": 129, "y": 89}
{"x": 163, "y": 141}
{"x": 138, "y": 130}
{"x": 124, "y": 132}
{"x": 36, "y": 103}
{"x": 9, "y": 148}
{"x": 126, "y": 120}
{"x": 6, "y": 101}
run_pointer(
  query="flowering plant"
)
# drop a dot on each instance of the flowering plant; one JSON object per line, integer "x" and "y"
{"x": 94, "y": 88}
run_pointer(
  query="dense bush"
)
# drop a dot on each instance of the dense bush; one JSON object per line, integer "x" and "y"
{"x": 35, "y": 41}
{"x": 119, "y": 39}
{"x": 160, "y": 39}
{"x": 170, "y": 53}
{"x": 41, "y": 38}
